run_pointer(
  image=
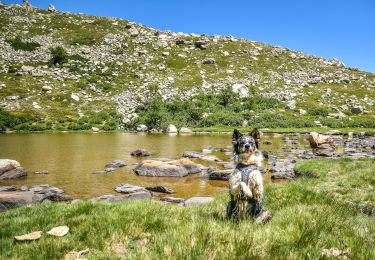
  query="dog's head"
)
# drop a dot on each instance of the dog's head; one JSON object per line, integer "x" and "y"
{"x": 246, "y": 147}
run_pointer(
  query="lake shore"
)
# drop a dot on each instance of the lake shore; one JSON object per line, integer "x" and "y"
{"x": 310, "y": 218}
{"x": 229, "y": 129}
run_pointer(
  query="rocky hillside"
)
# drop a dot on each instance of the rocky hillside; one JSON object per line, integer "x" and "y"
{"x": 60, "y": 70}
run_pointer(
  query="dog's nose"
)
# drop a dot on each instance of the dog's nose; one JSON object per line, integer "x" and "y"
{"x": 247, "y": 146}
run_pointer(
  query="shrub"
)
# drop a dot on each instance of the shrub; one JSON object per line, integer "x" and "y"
{"x": 59, "y": 55}
{"x": 18, "y": 44}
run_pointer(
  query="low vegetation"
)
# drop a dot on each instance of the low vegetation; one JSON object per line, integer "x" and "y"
{"x": 18, "y": 44}
{"x": 321, "y": 210}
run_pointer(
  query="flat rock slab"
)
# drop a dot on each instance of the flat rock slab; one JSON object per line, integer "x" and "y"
{"x": 192, "y": 154}
{"x": 161, "y": 189}
{"x": 198, "y": 201}
{"x": 14, "y": 199}
{"x": 59, "y": 231}
{"x": 8, "y": 188}
{"x": 128, "y": 188}
{"x": 124, "y": 197}
{"x": 172, "y": 200}
{"x": 30, "y": 236}
{"x": 174, "y": 168}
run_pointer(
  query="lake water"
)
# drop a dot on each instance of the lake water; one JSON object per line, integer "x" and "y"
{"x": 71, "y": 159}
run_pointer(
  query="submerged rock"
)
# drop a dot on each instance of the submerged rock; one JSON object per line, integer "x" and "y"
{"x": 115, "y": 164}
{"x": 174, "y": 168}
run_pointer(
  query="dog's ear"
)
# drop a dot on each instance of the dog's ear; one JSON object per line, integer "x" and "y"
{"x": 255, "y": 133}
{"x": 236, "y": 134}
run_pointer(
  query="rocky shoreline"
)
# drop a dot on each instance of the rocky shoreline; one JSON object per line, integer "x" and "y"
{"x": 279, "y": 165}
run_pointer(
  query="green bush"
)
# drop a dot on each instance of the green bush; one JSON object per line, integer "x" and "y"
{"x": 18, "y": 44}
{"x": 319, "y": 111}
{"x": 59, "y": 55}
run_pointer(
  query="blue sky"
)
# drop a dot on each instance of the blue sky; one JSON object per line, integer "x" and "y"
{"x": 344, "y": 29}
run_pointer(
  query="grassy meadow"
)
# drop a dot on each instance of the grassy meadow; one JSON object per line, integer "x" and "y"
{"x": 331, "y": 205}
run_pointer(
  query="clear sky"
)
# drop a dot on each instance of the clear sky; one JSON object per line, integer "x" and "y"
{"x": 343, "y": 29}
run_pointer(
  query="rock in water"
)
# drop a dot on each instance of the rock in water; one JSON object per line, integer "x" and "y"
{"x": 140, "y": 153}
{"x": 317, "y": 140}
{"x": 128, "y": 188}
{"x": 176, "y": 168}
{"x": 30, "y": 236}
{"x": 161, "y": 189}
{"x": 11, "y": 169}
{"x": 7, "y": 165}
{"x": 59, "y": 231}
{"x": 219, "y": 174}
{"x": 8, "y": 188}
{"x": 115, "y": 164}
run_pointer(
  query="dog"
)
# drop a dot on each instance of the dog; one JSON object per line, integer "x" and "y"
{"x": 246, "y": 182}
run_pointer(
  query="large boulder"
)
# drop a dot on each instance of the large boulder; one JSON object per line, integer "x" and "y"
{"x": 9, "y": 200}
{"x": 172, "y": 129}
{"x": 142, "y": 128}
{"x": 7, "y": 165}
{"x": 317, "y": 140}
{"x": 11, "y": 169}
{"x": 173, "y": 168}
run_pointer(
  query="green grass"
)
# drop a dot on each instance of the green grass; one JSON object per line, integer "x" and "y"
{"x": 306, "y": 220}
{"x": 229, "y": 129}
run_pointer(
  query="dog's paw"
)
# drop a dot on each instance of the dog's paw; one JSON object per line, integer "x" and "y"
{"x": 264, "y": 217}
{"x": 246, "y": 190}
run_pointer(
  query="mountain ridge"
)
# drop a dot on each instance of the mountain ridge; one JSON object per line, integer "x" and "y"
{"x": 114, "y": 68}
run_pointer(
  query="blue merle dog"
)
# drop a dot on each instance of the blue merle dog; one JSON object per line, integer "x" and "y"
{"x": 246, "y": 181}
